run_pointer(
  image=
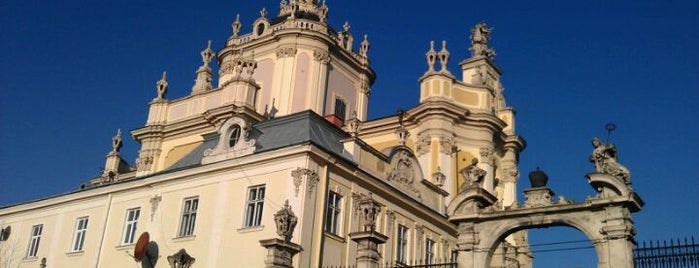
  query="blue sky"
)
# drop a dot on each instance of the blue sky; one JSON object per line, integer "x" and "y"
{"x": 73, "y": 72}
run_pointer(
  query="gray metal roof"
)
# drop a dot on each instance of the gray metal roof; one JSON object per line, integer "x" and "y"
{"x": 277, "y": 133}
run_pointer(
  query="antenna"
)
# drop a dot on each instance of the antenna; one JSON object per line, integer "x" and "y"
{"x": 610, "y": 127}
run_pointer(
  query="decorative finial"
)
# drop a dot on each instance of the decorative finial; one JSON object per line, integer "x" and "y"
{"x": 116, "y": 141}
{"x": 263, "y": 13}
{"x": 402, "y": 132}
{"x": 431, "y": 58}
{"x": 162, "y": 86}
{"x": 364, "y": 47}
{"x": 285, "y": 221}
{"x": 207, "y": 54}
{"x": 444, "y": 57}
{"x": 346, "y": 26}
{"x": 236, "y": 25}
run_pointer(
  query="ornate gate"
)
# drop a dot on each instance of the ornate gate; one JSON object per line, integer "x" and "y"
{"x": 604, "y": 219}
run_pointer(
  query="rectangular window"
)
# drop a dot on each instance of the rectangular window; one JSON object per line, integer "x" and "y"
{"x": 254, "y": 205}
{"x": 332, "y": 216}
{"x": 79, "y": 237}
{"x": 34, "y": 240}
{"x": 429, "y": 251}
{"x": 189, "y": 216}
{"x": 402, "y": 243}
{"x": 130, "y": 226}
{"x": 340, "y": 108}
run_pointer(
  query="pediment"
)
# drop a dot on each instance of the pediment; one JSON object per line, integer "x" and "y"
{"x": 405, "y": 171}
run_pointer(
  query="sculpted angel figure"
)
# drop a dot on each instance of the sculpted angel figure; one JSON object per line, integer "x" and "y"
{"x": 604, "y": 157}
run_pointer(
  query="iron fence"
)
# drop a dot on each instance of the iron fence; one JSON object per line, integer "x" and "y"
{"x": 414, "y": 264}
{"x": 673, "y": 254}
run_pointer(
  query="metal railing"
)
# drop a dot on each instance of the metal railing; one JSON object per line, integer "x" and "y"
{"x": 673, "y": 254}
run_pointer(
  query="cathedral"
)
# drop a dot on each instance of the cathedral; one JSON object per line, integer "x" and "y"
{"x": 272, "y": 161}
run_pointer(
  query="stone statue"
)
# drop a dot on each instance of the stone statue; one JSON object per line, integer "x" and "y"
{"x": 473, "y": 175}
{"x": 480, "y": 36}
{"x": 604, "y": 157}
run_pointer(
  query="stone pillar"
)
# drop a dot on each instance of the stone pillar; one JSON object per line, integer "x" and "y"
{"x": 368, "y": 240}
{"x": 281, "y": 251}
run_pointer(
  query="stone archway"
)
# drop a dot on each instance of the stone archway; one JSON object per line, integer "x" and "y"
{"x": 605, "y": 219}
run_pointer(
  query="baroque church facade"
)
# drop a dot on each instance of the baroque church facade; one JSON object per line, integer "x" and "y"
{"x": 271, "y": 159}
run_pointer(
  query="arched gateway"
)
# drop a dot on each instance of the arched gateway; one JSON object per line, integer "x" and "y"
{"x": 605, "y": 219}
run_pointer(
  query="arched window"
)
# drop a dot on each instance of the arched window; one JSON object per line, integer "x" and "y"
{"x": 235, "y": 135}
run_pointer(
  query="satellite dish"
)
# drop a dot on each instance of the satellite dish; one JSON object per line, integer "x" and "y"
{"x": 5, "y": 233}
{"x": 141, "y": 246}
{"x": 146, "y": 251}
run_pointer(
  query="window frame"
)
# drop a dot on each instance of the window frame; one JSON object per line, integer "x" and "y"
{"x": 429, "y": 251}
{"x": 188, "y": 220}
{"x": 333, "y": 213}
{"x": 341, "y": 114}
{"x": 34, "y": 241}
{"x": 402, "y": 243}
{"x": 78, "y": 242}
{"x": 254, "y": 206}
{"x": 130, "y": 226}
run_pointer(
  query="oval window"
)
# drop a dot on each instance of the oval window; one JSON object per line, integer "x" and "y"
{"x": 235, "y": 136}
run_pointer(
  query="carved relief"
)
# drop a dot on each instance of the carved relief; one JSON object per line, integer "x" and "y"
{"x": 538, "y": 198}
{"x": 154, "y": 202}
{"x": 321, "y": 56}
{"x": 422, "y": 146}
{"x": 311, "y": 179}
{"x": 486, "y": 153}
{"x": 446, "y": 144}
{"x": 405, "y": 172}
{"x": 144, "y": 163}
{"x": 284, "y": 52}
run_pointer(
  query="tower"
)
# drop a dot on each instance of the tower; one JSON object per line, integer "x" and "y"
{"x": 285, "y": 64}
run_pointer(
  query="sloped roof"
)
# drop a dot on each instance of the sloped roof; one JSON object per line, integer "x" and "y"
{"x": 299, "y": 128}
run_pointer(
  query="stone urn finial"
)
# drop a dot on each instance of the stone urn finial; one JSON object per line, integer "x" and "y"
{"x": 285, "y": 221}
{"x": 538, "y": 178}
